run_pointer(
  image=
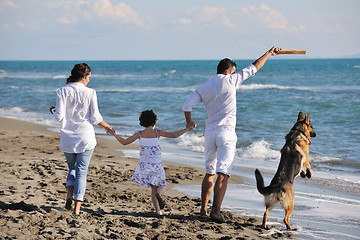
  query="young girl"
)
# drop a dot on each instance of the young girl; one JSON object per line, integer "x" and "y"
{"x": 150, "y": 170}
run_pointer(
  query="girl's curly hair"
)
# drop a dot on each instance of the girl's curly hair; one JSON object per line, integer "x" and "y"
{"x": 147, "y": 118}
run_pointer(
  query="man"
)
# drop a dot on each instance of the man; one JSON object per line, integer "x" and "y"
{"x": 219, "y": 96}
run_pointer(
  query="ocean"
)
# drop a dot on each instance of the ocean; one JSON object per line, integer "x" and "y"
{"x": 327, "y": 206}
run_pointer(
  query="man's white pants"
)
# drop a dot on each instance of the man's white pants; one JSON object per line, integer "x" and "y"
{"x": 220, "y": 147}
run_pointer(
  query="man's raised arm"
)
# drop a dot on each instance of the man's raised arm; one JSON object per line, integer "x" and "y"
{"x": 259, "y": 63}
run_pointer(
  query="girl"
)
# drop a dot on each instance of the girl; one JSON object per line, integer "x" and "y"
{"x": 150, "y": 171}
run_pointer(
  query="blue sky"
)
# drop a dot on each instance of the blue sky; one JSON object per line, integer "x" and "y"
{"x": 165, "y": 29}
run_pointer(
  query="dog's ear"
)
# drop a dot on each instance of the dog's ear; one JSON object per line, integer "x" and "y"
{"x": 307, "y": 118}
{"x": 300, "y": 116}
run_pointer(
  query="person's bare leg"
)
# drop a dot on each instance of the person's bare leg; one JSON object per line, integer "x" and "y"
{"x": 154, "y": 199}
{"x": 206, "y": 190}
{"x": 219, "y": 191}
{"x": 160, "y": 190}
{"x": 219, "y": 194}
{"x": 77, "y": 207}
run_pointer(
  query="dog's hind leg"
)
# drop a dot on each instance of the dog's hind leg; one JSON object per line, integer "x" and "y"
{"x": 270, "y": 202}
{"x": 288, "y": 203}
{"x": 288, "y": 211}
{"x": 265, "y": 217}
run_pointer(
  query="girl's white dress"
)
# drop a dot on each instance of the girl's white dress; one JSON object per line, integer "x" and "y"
{"x": 150, "y": 170}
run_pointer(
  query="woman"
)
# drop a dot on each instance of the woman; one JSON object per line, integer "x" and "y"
{"x": 77, "y": 110}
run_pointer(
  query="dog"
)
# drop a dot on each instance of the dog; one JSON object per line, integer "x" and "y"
{"x": 294, "y": 156}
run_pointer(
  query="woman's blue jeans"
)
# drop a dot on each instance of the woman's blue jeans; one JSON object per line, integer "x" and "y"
{"x": 78, "y": 164}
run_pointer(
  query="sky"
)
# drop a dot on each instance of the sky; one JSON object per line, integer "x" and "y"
{"x": 176, "y": 30}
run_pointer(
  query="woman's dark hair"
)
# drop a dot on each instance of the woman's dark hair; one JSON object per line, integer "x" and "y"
{"x": 224, "y": 65}
{"x": 147, "y": 118}
{"x": 79, "y": 71}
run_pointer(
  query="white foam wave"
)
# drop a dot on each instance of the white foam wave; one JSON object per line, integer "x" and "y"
{"x": 26, "y": 76}
{"x": 24, "y": 115}
{"x": 192, "y": 141}
{"x": 30, "y": 75}
{"x": 319, "y": 158}
{"x": 125, "y": 76}
{"x": 147, "y": 89}
{"x": 59, "y": 76}
{"x": 3, "y": 73}
{"x": 170, "y": 72}
{"x": 260, "y": 150}
{"x": 10, "y": 110}
{"x": 356, "y": 66}
{"x": 248, "y": 87}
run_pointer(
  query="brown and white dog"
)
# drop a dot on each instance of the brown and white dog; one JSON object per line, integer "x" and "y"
{"x": 294, "y": 156}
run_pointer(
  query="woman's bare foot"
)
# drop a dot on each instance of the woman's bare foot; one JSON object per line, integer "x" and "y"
{"x": 77, "y": 207}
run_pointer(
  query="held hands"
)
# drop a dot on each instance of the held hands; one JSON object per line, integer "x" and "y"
{"x": 190, "y": 125}
{"x": 274, "y": 50}
{"x": 110, "y": 131}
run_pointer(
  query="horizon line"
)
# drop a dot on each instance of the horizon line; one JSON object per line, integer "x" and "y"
{"x": 119, "y": 60}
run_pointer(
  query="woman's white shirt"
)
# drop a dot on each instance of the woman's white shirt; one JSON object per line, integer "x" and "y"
{"x": 77, "y": 110}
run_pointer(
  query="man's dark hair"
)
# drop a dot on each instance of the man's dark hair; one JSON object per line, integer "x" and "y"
{"x": 147, "y": 118}
{"x": 224, "y": 65}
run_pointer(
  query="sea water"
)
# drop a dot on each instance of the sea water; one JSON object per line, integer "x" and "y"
{"x": 267, "y": 107}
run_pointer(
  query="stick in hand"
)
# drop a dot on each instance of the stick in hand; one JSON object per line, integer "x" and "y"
{"x": 292, "y": 51}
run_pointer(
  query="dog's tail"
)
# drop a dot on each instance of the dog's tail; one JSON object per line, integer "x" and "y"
{"x": 260, "y": 183}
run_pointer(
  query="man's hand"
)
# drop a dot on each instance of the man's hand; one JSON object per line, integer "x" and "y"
{"x": 189, "y": 121}
{"x": 191, "y": 125}
{"x": 274, "y": 50}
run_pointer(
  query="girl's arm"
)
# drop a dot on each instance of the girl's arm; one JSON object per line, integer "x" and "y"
{"x": 124, "y": 141}
{"x": 174, "y": 134}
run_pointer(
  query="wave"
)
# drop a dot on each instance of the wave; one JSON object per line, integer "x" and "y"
{"x": 24, "y": 115}
{"x": 3, "y": 73}
{"x": 60, "y": 76}
{"x": 12, "y": 110}
{"x": 326, "y": 159}
{"x": 260, "y": 150}
{"x": 42, "y": 75}
{"x": 26, "y": 76}
{"x": 250, "y": 87}
{"x": 193, "y": 142}
{"x": 133, "y": 75}
{"x": 148, "y": 89}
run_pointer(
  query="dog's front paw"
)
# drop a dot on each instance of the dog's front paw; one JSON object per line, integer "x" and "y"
{"x": 302, "y": 174}
{"x": 308, "y": 173}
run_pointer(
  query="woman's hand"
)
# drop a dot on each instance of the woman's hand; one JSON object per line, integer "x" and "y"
{"x": 52, "y": 109}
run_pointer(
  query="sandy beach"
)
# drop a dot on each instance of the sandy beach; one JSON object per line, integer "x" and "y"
{"x": 32, "y": 195}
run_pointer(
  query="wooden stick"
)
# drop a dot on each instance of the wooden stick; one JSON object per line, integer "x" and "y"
{"x": 292, "y": 51}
